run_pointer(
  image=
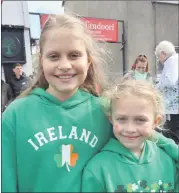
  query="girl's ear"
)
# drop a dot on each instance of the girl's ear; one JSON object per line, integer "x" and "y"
{"x": 157, "y": 120}
{"x": 89, "y": 60}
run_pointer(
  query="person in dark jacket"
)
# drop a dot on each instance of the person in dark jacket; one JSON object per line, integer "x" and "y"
{"x": 19, "y": 81}
{"x": 7, "y": 95}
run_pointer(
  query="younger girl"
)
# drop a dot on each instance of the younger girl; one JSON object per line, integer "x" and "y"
{"x": 140, "y": 70}
{"x": 132, "y": 162}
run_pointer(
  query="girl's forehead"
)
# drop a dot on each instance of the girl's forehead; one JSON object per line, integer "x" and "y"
{"x": 130, "y": 101}
{"x": 132, "y": 108}
{"x": 62, "y": 32}
{"x": 63, "y": 40}
{"x": 141, "y": 63}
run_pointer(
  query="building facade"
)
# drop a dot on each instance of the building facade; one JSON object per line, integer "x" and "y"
{"x": 146, "y": 23}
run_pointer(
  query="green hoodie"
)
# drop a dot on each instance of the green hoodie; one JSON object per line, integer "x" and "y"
{"x": 46, "y": 143}
{"x": 116, "y": 169}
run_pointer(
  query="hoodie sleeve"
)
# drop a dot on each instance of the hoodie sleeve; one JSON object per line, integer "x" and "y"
{"x": 90, "y": 182}
{"x": 9, "y": 173}
{"x": 172, "y": 149}
{"x": 169, "y": 146}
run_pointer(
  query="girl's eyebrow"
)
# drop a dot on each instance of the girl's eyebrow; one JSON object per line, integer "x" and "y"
{"x": 141, "y": 116}
{"x": 51, "y": 52}
{"x": 136, "y": 116}
{"x": 76, "y": 50}
{"x": 70, "y": 51}
{"x": 120, "y": 115}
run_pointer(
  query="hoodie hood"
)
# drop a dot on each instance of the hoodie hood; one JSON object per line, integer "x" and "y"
{"x": 43, "y": 96}
{"x": 126, "y": 156}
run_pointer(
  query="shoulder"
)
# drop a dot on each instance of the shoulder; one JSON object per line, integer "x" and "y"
{"x": 149, "y": 75}
{"x": 98, "y": 162}
{"x": 16, "y": 110}
{"x": 26, "y": 78}
{"x": 129, "y": 74}
{"x": 94, "y": 101}
{"x": 12, "y": 79}
{"x": 105, "y": 157}
{"x": 164, "y": 156}
{"x": 20, "y": 103}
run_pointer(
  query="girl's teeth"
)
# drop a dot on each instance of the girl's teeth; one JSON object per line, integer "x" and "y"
{"x": 65, "y": 77}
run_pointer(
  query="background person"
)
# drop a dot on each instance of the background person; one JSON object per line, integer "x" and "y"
{"x": 139, "y": 70}
{"x": 169, "y": 85}
{"x": 19, "y": 81}
{"x": 6, "y": 95}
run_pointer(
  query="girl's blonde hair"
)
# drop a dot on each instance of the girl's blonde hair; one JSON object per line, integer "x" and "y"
{"x": 142, "y": 89}
{"x": 96, "y": 55}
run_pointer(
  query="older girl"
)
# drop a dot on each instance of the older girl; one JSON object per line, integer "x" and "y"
{"x": 49, "y": 135}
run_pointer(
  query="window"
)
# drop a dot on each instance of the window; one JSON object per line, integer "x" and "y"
{"x": 35, "y": 28}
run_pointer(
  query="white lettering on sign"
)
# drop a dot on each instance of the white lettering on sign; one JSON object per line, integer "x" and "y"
{"x": 99, "y": 26}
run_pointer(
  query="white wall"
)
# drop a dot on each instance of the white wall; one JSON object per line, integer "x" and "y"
{"x": 12, "y": 13}
{"x": 16, "y": 13}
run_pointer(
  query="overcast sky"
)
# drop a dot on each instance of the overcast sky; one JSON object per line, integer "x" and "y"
{"x": 50, "y": 7}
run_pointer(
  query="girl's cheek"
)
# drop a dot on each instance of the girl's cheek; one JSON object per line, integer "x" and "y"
{"x": 116, "y": 127}
{"x": 146, "y": 131}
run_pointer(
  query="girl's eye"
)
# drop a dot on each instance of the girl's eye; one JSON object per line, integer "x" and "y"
{"x": 74, "y": 55}
{"x": 140, "y": 121}
{"x": 122, "y": 119}
{"x": 53, "y": 57}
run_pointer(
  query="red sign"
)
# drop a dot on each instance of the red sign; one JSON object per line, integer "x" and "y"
{"x": 103, "y": 29}
{"x": 43, "y": 19}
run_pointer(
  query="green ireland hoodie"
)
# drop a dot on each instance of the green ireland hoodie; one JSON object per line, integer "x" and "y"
{"x": 116, "y": 169}
{"x": 46, "y": 143}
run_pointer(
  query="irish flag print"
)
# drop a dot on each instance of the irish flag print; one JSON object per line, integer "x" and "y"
{"x": 66, "y": 157}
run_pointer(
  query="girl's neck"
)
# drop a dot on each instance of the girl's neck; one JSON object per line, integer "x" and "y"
{"x": 59, "y": 95}
{"x": 138, "y": 152}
